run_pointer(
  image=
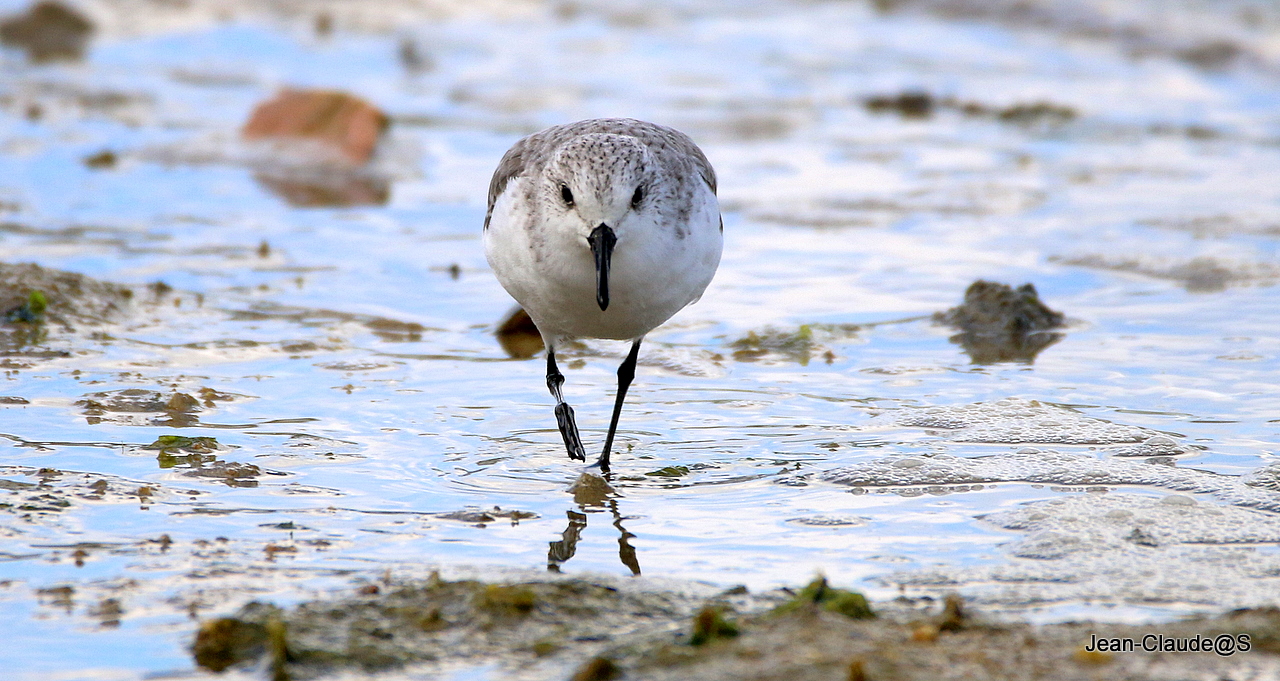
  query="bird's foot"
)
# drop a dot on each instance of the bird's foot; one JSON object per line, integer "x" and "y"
{"x": 602, "y": 463}
{"x": 569, "y": 431}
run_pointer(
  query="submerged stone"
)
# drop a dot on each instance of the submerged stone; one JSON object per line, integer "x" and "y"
{"x": 597, "y": 669}
{"x": 797, "y": 346}
{"x": 1121, "y": 548}
{"x": 670, "y": 472}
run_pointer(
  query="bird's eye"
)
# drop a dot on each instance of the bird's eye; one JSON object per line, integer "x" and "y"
{"x": 637, "y": 197}
{"x": 566, "y": 195}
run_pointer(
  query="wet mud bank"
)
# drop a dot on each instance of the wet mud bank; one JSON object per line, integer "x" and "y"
{"x": 31, "y": 294}
{"x": 41, "y": 308}
{"x": 592, "y": 630}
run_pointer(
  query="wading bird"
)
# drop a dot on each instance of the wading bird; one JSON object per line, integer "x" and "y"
{"x": 603, "y": 228}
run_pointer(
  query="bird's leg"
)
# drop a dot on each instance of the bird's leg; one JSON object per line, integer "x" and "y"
{"x": 626, "y": 372}
{"x": 564, "y": 413}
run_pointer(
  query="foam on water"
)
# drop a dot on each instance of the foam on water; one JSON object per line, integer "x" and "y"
{"x": 1054, "y": 468}
{"x": 1016, "y": 421}
{"x": 1167, "y": 550}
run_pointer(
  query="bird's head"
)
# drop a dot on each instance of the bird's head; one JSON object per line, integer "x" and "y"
{"x": 598, "y": 186}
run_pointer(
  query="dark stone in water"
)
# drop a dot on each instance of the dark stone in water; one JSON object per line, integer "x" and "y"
{"x": 998, "y": 323}
{"x": 912, "y": 104}
{"x": 906, "y": 104}
{"x": 597, "y": 669}
{"x": 102, "y": 160}
{"x": 47, "y": 31}
{"x": 228, "y": 641}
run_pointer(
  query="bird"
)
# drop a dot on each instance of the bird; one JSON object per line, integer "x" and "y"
{"x": 602, "y": 228}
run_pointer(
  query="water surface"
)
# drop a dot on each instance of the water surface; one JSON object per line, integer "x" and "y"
{"x": 362, "y": 379}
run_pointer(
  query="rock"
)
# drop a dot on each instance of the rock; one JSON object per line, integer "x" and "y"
{"x": 906, "y": 104}
{"x": 320, "y": 142}
{"x": 35, "y": 300}
{"x": 47, "y": 31}
{"x": 998, "y": 323}
{"x": 345, "y": 128}
{"x": 102, "y": 160}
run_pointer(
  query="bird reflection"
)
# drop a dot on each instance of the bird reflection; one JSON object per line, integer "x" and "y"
{"x": 592, "y": 494}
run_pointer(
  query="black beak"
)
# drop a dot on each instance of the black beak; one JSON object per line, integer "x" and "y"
{"x": 602, "y": 241}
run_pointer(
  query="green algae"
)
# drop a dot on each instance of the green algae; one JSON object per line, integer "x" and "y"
{"x": 670, "y": 472}
{"x": 168, "y": 444}
{"x": 797, "y": 346}
{"x": 228, "y": 641}
{"x": 586, "y": 631}
{"x": 710, "y": 624}
{"x": 801, "y": 345}
{"x": 432, "y": 620}
{"x": 31, "y": 311}
{"x": 514, "y": 600}
{"x": 818, "y": 593}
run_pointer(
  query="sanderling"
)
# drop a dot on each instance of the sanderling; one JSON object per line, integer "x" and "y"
{"x": 602, "y": 229}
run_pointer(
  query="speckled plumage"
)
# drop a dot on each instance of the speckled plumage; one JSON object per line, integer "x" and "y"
{"x": 530, "y": 154}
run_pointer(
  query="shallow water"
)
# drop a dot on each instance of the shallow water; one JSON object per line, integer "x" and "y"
{"x": 1150, "y": 218}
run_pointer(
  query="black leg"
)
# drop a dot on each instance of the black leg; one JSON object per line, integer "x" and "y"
{"x": 564, "y": 413}
{"x": 626, "y": 373}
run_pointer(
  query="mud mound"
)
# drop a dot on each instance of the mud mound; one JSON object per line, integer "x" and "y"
{"x": 70, "y": 298}
{"x": 547, "y": 629}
